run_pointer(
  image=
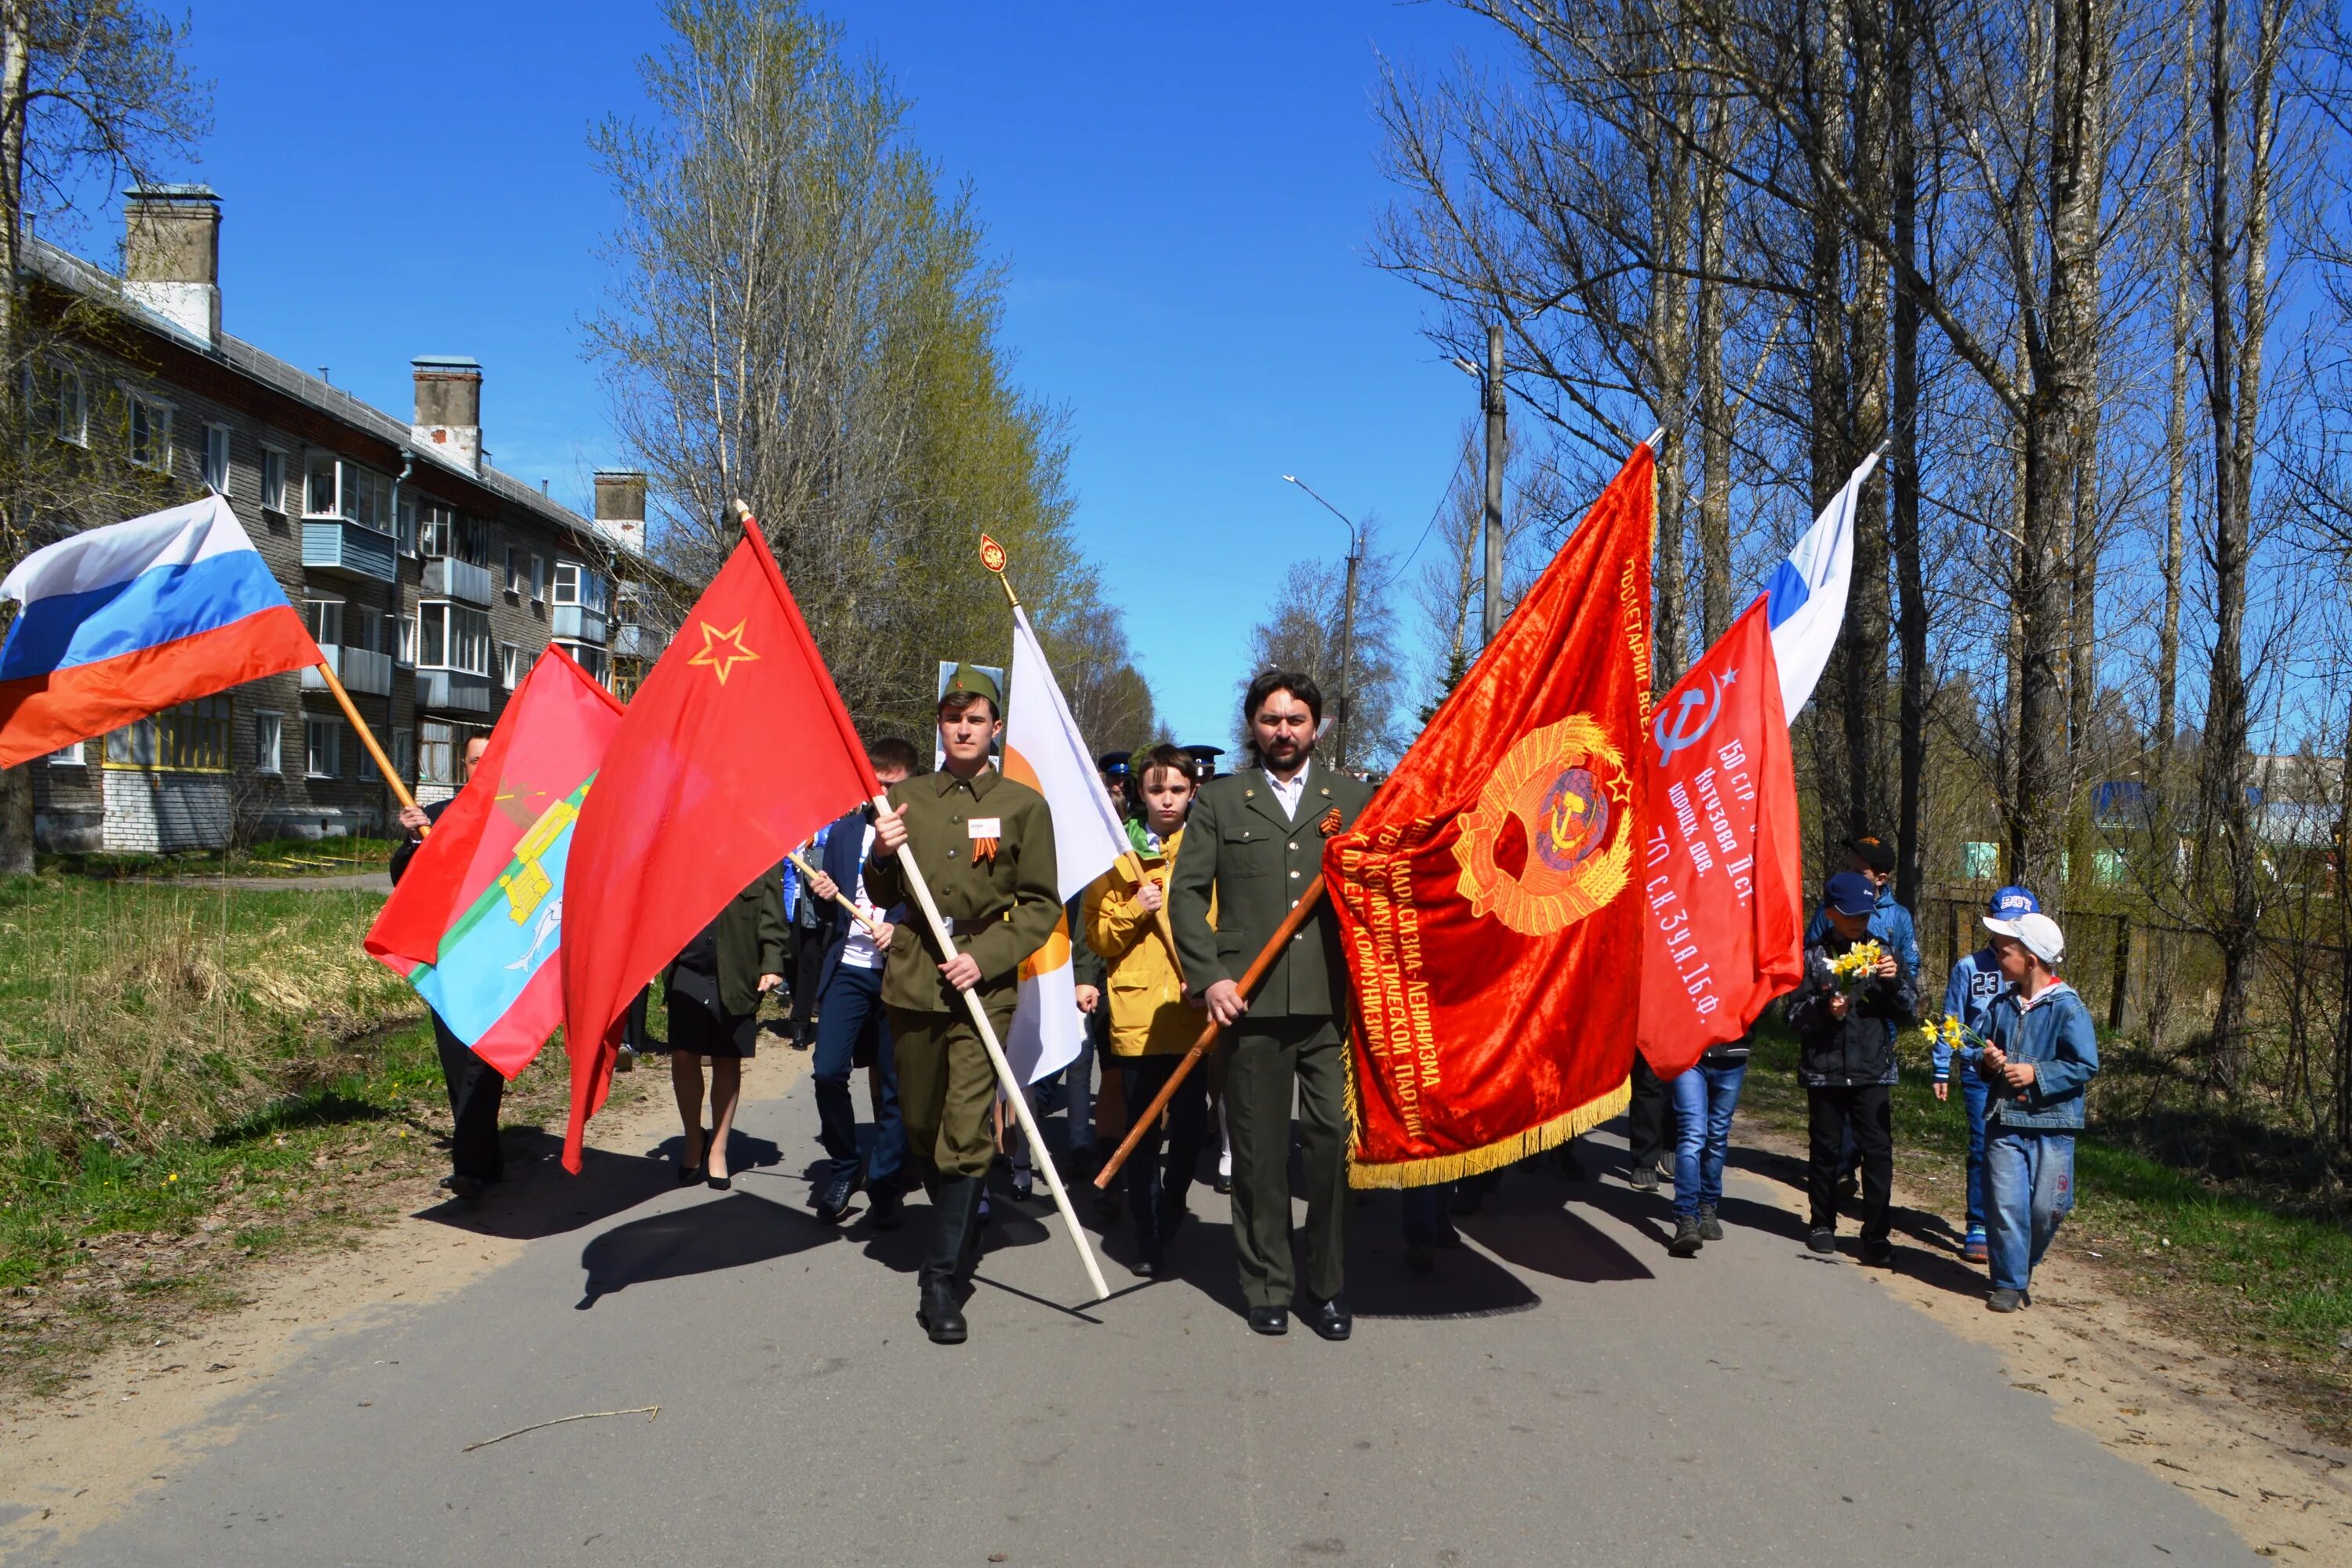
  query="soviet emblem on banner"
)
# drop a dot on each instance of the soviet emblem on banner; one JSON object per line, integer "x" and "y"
{"x": 1550, "y": 838}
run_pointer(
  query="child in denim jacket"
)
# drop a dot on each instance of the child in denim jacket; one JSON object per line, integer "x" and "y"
{"x": 2040, "y": 1055}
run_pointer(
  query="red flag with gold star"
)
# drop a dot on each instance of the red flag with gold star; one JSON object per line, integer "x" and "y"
{"x": 735, "y": 750}
{"x": 1488, "y": 897}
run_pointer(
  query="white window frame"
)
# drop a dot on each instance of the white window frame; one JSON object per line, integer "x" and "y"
{"x": 273, "y": 479}
{"x": 157, "y": 414}
{"x": 568, "y": 574}
{"x": 268, "y": 742}
{"x": 436, "y": 755}
{"x": 216, "y": 456}
{"x": 509, "y": 665}
{"x": 323, "y": 613}
{"x": 450, "y": 613}
{"x": 404, "y": 523}
{"x": 314, "y": 730}
{"x": 514, "y": 571}
{"x": 405, "y": 655}
{"x": 69, "y": 757}
{"x": 539, "y": 579}
{"x": 73, "y": 405}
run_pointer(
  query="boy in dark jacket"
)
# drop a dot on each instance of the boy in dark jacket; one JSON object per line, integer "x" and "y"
{"x": 1845, "y": 1032}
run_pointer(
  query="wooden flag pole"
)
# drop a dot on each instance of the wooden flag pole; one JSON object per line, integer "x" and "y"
{"x": 367, "y": 736}
{"x": 1011, "y": 1085}
{"x": 1250, "y": 980}
{"x": 992, "y": 555}
{"x": 873, "y": 928}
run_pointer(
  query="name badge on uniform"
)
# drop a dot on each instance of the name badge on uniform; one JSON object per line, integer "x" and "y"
{"x": 985, "y": 832}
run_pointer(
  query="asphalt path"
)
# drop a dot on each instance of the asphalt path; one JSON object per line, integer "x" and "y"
{"x": 1560, "y": 1392}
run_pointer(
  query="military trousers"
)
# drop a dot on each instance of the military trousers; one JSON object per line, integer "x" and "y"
{"x": 1269, "y": 1056}
{"x": 947, "y": 1087}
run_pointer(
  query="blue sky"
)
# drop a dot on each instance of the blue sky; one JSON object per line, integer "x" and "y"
{"x": 1184, "y": 198}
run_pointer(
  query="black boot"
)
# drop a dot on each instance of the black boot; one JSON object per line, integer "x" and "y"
{"x": 955, "y": 1207}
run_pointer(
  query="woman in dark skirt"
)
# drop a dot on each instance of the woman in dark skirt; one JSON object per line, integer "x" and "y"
{"x": 715, "y": 986}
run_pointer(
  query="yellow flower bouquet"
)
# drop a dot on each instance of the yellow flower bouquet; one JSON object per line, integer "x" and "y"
{"x": 1856, "y": 968}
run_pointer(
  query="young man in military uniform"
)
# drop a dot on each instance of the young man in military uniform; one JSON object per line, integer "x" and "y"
{"x": 985, "y": 845}
{"x": 1255, "y": 840}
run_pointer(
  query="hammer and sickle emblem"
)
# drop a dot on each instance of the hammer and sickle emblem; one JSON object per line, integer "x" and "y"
{"x": 1674, "y": 729}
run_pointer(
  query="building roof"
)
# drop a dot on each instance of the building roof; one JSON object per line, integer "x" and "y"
{"x": 73, "y": 274}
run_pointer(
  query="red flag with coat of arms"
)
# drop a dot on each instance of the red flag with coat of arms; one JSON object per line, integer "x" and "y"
{"x": 736, "y": 748}
{"x": 1488, "y": 897}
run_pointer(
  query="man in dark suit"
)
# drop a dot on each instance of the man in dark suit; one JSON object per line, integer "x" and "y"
{"x": 850, "y": 1021}
{"x": 1254, "y": 842}
{"x": 476, "y": 1088}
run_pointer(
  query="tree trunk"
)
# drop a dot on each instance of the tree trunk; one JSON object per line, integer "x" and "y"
{"x": 1910, "y": 577}
{"x": 1669, "y": 355}
{"x": 1868, "y": 610}
{"x": 16, "y": 66}
{"x": 1838, "y": 761}
{"x": 1714, "y": 415}
{"x": 2175, "y": 441}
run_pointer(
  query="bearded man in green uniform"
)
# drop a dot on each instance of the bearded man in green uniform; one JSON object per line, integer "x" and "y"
{"x": 985, "y": 845}
{"x": 1255, "y": 840}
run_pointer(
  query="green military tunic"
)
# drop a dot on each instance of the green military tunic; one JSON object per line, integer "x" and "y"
{"x": 1000, "y": 907}
{"x": 1257, "y": 860}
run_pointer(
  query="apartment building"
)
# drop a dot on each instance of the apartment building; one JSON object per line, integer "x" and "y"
{"x": 431, "y": 580}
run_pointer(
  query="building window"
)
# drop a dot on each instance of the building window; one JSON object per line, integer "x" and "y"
{"x": 405, "y": 532}
{"x": 332, "y": 487}
{"x": 325, "y": 619}
{"x": 216, "y": 456}
{"x": 403, "y": 753}
{"x": 73, "y": 406}
{"x": 269, "y": 743}
{"x": 407, "y": 654}
{"x": 192, "y": 738}
{"x": 445, "y": 532}
{"x": 509, "y": 665}
{"x": 539, "y": 579}
{"x": 150, "y": 431}
{"x": 67, "y": 756}
{"x": 514, "y": 570}
{"x": 273, "y": 480}
{"x": 591, "y": 659}
{"x": 323, "y": 753}
{"x": 567, "y": 582}
{"x": 437, "y": 756}
{"x": 453, "y": 637}
{"x": 369, "y": 771}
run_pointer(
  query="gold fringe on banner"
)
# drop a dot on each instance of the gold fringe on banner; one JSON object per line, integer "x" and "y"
{"x": 1494, "y": 1156}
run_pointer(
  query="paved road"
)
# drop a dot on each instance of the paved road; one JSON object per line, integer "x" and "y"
{"x": 1563, "y": 1393}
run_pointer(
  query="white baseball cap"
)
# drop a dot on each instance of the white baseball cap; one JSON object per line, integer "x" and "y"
{"x": 2038, "y": 932}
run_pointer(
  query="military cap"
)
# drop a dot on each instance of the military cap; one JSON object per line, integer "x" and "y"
{"x": 1115, "y": 762}
{"x": 970, "y": 677}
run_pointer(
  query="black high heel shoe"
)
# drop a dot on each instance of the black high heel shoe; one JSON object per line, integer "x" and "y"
{"x": 688, "y": 1174}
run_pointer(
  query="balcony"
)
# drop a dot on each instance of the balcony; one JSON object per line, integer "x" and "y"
{"x": 361, "y": 672}
{"x": 332, "y": 547}
{"x": 447, "y": 578}
{"x": 631, "y": 640}
{"x": 577, "y": 623}
{"x": 453, "y": 692}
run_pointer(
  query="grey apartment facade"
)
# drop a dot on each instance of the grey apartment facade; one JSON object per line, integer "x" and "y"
{"x": 431, "y": 580}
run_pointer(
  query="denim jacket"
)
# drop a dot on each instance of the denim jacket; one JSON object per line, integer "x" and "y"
{"x": 2053, "y": 1032}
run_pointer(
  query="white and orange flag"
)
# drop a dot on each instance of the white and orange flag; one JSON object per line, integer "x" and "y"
{"x": 1044, "y": 750}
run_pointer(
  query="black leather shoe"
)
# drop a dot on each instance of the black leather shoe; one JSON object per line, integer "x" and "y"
{"x": 1147, "y": 1263}
{"x": 1331, "y": 1319}
{"x": 887, "y": 1210}
{"x": 939, "y": 1315}
{"x": 457, "y": 1184}
{"x": 1269, "y": 1320}
{"x": 833, "y": 1199}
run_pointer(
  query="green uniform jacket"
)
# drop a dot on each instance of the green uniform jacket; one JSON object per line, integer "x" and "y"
{"x": 1258, "y": 861}
{"x": 750, "y": 942}
{"x": 1001, "y": 909}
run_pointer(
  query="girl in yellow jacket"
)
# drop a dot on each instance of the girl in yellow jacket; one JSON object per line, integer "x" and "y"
{"x": 1153, "y": 1023}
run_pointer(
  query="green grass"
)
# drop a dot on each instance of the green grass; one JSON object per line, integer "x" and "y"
{"x": 2236, "y": 1264}
{"x": 268, "y": 858}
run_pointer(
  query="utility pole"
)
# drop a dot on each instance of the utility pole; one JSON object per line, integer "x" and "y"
{"x": 1491, "y": 386}
{"x": 1347, "y": 609}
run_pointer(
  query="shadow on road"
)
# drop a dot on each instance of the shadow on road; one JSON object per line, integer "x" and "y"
{"x": 700, "y": 1239}
{"x": 538, "y": 1199}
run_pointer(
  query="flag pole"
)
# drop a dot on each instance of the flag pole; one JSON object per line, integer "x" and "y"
{"x": 1148, "y": 1116}
{"x": 873, "y": 928}
{"x": 367, "y": 736}
{"x": 992, "y": 555}
{"x": 1005, "y": 1076}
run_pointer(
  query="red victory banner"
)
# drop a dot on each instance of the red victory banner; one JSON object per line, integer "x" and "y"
{"x": 1488, "y": 898}
{"x": 735, "y": 750}
{"x": 1721, "y": 878}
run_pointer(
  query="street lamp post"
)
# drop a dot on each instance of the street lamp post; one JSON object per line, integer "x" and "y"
{"x": 1494, "y": 404}
{"x": 1347, "y": 612}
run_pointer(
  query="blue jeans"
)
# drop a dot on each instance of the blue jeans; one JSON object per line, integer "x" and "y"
{"x": 2031, "y": 1177}
{"x": 852, "y": 1005}
{"x": 1705, "y": 1099}
{"x": 1974, "y": 1091}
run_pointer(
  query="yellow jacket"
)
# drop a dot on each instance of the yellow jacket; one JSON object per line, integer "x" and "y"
{"x": 1149, "y": 1016}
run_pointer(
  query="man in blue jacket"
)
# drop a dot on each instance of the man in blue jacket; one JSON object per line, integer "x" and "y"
{"x": 850, "y": 1022}
{"x": 1968, "y": 996}
{"x": 2040, "y": 1057}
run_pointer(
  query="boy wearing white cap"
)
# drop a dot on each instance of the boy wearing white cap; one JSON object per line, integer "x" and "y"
{"x": 2041, "y": 1055}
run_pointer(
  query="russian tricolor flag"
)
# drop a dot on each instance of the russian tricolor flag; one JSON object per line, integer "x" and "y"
{"x": 125, "y": 621}
{"x": 1808, "y": 591}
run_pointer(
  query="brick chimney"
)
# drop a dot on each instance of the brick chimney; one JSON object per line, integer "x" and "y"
{"x": 170, "y": 256}
{"x": 450, "y": 407}
{"x": 620, "y": 507}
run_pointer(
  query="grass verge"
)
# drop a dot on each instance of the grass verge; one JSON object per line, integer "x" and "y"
{"x": 2230, "y": 1265}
